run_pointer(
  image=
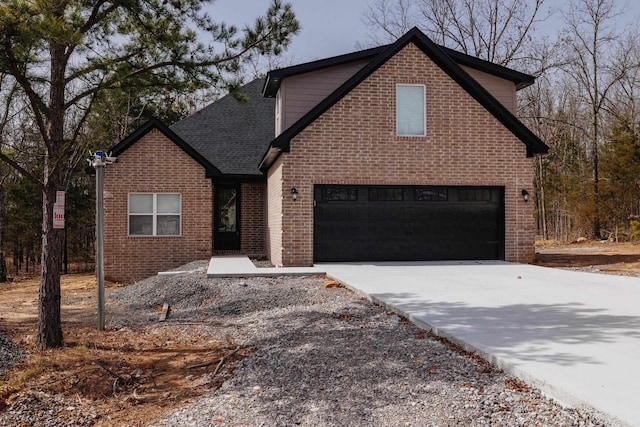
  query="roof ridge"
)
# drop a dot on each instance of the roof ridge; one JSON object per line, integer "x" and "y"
{"x": 155, "y": 123}
{"x": 274, "y": 77}
{"x": 441, "y": 58}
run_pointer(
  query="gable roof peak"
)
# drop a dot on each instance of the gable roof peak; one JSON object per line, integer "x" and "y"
{"x": 274, "y": 77}
{"x": 443, "y": 60}
{"x": 155, "y": 123}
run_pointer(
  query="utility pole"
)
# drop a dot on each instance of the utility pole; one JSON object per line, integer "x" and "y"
{"x": 98, "y": 161}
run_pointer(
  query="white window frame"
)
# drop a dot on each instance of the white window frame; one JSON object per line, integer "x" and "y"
{"x": 154, "y": 215}
{"x": 424, "y": 111}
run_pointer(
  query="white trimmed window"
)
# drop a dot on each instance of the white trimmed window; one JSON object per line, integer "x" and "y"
{"x": 410, "y": 110}
{"x": 154, "y": 214}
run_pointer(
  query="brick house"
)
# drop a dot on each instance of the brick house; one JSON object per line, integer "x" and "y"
{"x": 409, "y": 151}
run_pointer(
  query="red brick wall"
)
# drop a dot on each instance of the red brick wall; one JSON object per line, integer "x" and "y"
{"x": 252, "y": 221}
{"x": 274, "y": 213}
{"x": 155, "y": 165}
{"x": 355, "y": 142}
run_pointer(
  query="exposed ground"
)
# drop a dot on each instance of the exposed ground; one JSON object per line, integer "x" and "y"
{"x": 126, "y": 375}
{"x": 598, "y": 257}
{"x": 138, "y": 370}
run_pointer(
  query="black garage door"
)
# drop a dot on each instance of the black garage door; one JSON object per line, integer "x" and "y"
{"x": 408, "y": 223}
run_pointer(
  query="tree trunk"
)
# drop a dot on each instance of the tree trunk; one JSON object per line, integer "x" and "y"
{"x": 16, "y": 257}
{"x": 65, "y": 256}
{"x": 542, "y": 202}
{"x": 49, "y": 319}
{"x": 596, "y": 120}
{"x": 3, "y": 262}
{"x": 49, "y": 316}
{"x": 596, "y": 178}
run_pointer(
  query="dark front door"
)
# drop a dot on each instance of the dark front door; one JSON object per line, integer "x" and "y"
{"x": 408, "y": 223}
{"x": 226, "y": 233}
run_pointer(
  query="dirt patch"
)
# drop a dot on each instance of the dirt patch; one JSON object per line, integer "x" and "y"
{"x": 129, "y": 376}
{"x": 611, "y": 258}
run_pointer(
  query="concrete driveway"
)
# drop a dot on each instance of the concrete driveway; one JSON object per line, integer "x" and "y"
{"x": 574, "y": 335}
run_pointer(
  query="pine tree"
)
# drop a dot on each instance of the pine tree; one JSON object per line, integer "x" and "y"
{"x": 64, "y": 53}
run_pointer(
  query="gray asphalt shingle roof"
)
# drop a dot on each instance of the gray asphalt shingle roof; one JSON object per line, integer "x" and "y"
{"x": 235, "y": 138}
{"x": 231, "y": 134}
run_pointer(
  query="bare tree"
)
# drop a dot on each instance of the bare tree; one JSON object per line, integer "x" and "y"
{"x": 552, "y": 109}
{"x": 624, "y": 99}
{"x": 10, "y": 107}
{"x": 494, "y": 30}
{"x": 389, "y": 19}
{"x": 598, "y": 59}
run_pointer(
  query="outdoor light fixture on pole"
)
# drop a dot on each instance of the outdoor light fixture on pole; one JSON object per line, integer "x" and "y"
{"x": 98, "y": 161}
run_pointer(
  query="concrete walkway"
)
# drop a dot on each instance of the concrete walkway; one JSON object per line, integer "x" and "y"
{"x": 242, "y": 266}
{"x": 574, "y": 335}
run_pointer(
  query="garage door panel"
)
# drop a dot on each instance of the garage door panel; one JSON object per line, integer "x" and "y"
{"x": 459, "y": 223}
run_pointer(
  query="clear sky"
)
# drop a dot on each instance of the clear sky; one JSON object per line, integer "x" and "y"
{"x": 334, "y": 27}
{"x": 329, "y": 27}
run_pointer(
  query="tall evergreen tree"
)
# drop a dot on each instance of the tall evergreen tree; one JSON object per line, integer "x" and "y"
{"x": 64, "y": 53}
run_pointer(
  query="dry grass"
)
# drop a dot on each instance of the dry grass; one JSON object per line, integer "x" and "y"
{"x": 131, "y": 376}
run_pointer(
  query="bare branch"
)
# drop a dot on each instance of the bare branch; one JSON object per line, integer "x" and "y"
{"x": 494, "y": 30}
{"x": 40, "y": 109}
{"x": 18, "y": 167}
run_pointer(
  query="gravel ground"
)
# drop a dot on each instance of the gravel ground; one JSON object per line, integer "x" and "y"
{"x": 326, "y": 357}
{"x": 38, "y": 408}
{"x": 10, "y": 354}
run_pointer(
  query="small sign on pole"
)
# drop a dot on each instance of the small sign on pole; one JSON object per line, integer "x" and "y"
{"x": 58, "y": 210}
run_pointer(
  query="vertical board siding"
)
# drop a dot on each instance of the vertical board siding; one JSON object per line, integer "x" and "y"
{"x": 501, "y": 89}
{"x": 299, "y": 94}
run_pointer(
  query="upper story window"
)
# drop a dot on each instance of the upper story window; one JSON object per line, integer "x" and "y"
{"x": 410, "y": 110}
{"x": 154, "y": 214}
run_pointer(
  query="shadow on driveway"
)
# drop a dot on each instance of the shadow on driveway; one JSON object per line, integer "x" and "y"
{"x": 524, "y": 331}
